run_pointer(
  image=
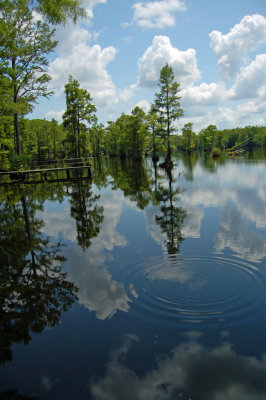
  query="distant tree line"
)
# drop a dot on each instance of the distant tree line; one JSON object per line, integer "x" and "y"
{"x": 129, "y": 136}
{"x": 211, "y": 137}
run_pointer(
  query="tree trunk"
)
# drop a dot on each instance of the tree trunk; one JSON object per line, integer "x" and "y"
{"x": 168, "y": 157}
{"x": 15, "y": 97}
{"x": 78, "y": 144}
{"x": 17, "y": 133}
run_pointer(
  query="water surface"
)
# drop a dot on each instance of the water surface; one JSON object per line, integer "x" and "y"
{"x": 141, "y": 285}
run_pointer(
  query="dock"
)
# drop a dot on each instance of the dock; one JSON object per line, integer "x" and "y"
{"x": 46, "y": 174}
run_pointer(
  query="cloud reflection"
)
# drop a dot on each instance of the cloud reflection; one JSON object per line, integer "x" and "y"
{"x": 97, "y": 290}
{"x": 239, "y": 190}
{"x": 167, "y": 269}
{"x": 233, "y": 234}
{"x": 190, "y": 371}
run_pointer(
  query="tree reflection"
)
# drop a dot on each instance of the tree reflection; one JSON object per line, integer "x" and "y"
{"x": 189, "y": 162}
{"x": 33, "y": 289}
{"x": 208, "y": 163}
{"x": 13, "y": 395}
{"x": 145, "y": 185}
{"x": 172, "y": 217}
{"x": 100, "y": 172}
{"x": 132, "y": 178}
{"x": 86, "y": 212}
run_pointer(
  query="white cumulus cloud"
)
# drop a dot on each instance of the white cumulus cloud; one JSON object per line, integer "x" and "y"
{"x": 252, "y": 112}
{"x": 89, "y": 4}
{"x": 230, "y": 48}
{"x": 203, "y": 95}
{"x": 251, "y": 81}
{"x": 157, "y": 14}
{"x": 144, "y": 104}
{"x": 57, "y": 115}
{"x": 184, "y": 63}
{"x": 85, "y": 62}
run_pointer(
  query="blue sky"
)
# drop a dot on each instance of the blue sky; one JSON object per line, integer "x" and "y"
{"x": 217, "y": 49}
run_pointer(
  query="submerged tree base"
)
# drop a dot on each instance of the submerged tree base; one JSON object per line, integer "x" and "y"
{"x": 168, "y": 164}
{"x": 216, "y": 152}
{"x": 155, "y": 158}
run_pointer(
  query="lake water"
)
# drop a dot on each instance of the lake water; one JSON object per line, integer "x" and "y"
{"x": 143, "y": 285}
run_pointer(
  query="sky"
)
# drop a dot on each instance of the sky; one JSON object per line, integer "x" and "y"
{"x": 217, "y": 49}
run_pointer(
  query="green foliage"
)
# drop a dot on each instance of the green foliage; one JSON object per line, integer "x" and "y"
{"x": 207, "y": 137}
{"x": 6, "y": 141}
{"x": 189, "y": 137}
{"x": 42, "y": 140}
{"x": 167, "y": 103}
{"x": 96, "y": 140}
{"x": 127, "y": 136}
{"x": 137, "y": 133}
{"x": 58, "y": 12}
{"x": 113, "y": 138}
{"x": 210, "y": 138}
{"x": 79, "y": 109}
{"x": 24, "y": 44}
{"x": 253, "y": 136}
{"x": 155, "y": 133}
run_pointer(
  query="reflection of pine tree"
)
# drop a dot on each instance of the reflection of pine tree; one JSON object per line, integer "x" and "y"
{"x": 172, "y": 217}
{"x": 33, "y": 289}
{"x": 87, "y": 214}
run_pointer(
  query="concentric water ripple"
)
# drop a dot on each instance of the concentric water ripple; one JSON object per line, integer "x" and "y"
{"x": 196, "y": 289}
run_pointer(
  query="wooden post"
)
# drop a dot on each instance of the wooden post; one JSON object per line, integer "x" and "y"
{"x": 68, "y": 173}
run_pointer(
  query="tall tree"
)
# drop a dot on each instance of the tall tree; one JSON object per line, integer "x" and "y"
{"x": 24, "y": 44}
{"x": 137, "y": 133}
{"x": 155, "y": 129}
{"x": 6, "y": 133}
{"x": 207, "y": 137}
{"x": 96, "y": 134}
{"x": 113, "y": 138}
{"x": 78, "y": 109}
{"x": 167, "y": 103}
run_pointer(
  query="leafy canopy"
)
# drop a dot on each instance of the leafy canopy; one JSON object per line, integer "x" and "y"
{"x": 59, "y": 11}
